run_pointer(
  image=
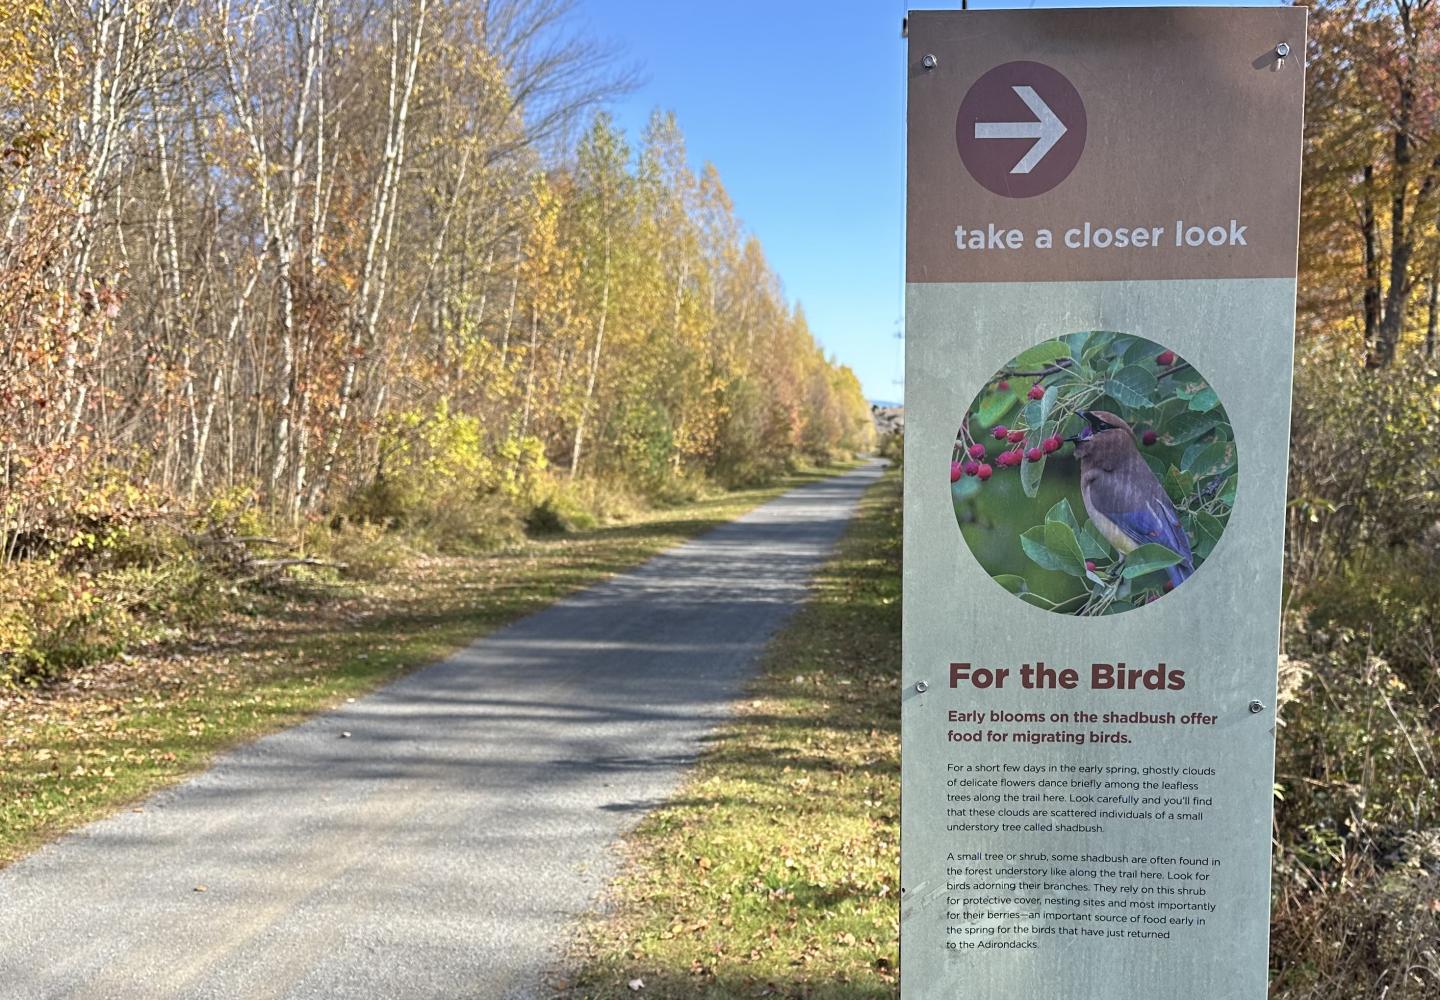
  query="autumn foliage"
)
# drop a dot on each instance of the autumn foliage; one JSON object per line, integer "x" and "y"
{"x": 1357, "y": 875}
{"x": 333, "y": 267}
{"x": 328, "y": 251}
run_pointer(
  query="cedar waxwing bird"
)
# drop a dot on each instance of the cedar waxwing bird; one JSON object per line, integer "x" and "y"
{"x": 1124, "y": 499}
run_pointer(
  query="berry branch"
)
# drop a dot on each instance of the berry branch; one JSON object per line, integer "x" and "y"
{"x": 1180, "y": 428}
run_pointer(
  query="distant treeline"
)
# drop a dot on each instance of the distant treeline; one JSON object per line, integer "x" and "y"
{"x": 330, "y": 250}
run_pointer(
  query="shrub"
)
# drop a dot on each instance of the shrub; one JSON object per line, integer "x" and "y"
{"x": 444, "y": 487}
{"x": 1364, "y": 447}
{"x": 50, "y": 622}
{"x": 368, "y": 550}
{"x": 1376, "y": 933}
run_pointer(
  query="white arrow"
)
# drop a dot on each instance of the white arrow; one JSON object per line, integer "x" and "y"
{"x": 1046, "y": 131}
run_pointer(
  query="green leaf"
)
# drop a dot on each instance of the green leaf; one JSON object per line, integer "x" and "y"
{"x": 1096, "y": 357}
{"x": 1031, "y": 416}
{"x": 1033, "y": 542}
{"x": 1178, "y": 485}
{"x": 1204, "y": 401}
{"x": 1087, "y": 344}
{"x": 1065, "y": 514}
{"x": 1059, "y": 538}
{"x": 1189, "y": 427}
{"x": 1011, "y": 582}
{"x": 1041, "y": 355}
{"x": 1047, "y": 404}
{"x": 1142, "y": 352}
{"x": 1053, "y": 546}
{"x": 1207, "y": 529}
{"x": 1227, "y": 492}
{"x": 1147, "y": 559}
{"x": 1167, "y": 410}
{"x": 995, "y": 406}
{"x": 1093, "y": 544}
{"x": 1131, "y": 386}
{"x": 1189, "y": 388}
{"x": 1030, "y": 474}
{"x": 1211, "y": 459}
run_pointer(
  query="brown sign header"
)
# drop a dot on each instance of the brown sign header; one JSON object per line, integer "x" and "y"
{"x": 1104, "y": 144}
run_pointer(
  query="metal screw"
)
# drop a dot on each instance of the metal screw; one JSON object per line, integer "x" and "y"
{"x": 921, "y": 686}
{"x": 1255, "y": 707}
{"x": 1282, "y": 50}
{"x": 929, "y": 61}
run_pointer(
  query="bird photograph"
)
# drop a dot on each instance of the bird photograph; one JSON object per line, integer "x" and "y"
{"x": 1094, "y": 473}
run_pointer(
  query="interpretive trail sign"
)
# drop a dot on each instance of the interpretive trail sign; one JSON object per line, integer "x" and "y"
{"x": 1101, "y": 245}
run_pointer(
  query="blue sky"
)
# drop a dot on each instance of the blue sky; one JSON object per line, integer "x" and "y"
{"x": 800, "y": 105}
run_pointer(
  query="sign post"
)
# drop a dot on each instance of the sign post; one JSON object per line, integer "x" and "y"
{"x": 1101, "y": 255}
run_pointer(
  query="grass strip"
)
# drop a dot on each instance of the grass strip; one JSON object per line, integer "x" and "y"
{"x": 103, "y": 736}
{"x": 774, "y": 871}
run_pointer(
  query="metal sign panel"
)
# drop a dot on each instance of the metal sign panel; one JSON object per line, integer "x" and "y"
{"x": 1102, "y": 217}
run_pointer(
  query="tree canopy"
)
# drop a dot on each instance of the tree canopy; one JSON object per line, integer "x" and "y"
{"x": 301, "y": 250}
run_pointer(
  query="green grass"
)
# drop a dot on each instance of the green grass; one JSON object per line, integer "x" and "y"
{"x": 102, "y": 736}
{"x": 774, "y": 871}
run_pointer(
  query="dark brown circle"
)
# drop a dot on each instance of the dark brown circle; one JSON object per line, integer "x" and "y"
{"x": 993, "y": 102}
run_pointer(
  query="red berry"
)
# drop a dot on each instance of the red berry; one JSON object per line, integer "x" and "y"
{"x": 955, "y": 471}
{"x": 1051, "y": 444}
{"x": 1165, "y": 359}
{"x": 971, "y": 468}
{"x": 1149, "y": 437}
{"x": 1035, "y": 454}
{"x": 977, "y": 451}
{"x": 1016, "y": 457}
{"x": 1000, "y": 431}
{"x": 1090, "y": 565}
{"x": 1016, "y": 436}
{"x": 984, "y": 472}
{"x": 1003, "y": 386}
{"x": 1037, "y": 391}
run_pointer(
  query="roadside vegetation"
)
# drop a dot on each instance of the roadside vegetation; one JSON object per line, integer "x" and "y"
{"x": 285, "y": 286}
{"x": 1357, "y": 825}
{"x": 107, "y": 730}
{"x": 1357, "y": 811}
{"x": 774, "y": 871}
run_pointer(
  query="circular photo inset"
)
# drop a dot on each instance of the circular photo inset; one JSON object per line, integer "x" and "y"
{"x": 1094, "y": 473}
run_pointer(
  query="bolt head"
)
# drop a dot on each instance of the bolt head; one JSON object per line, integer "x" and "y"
{"x": 921, "y": 686}
{"x": 929, "y": 61}
{"x": 1256, "y": 707}
{"x": 1282, "y": 50}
